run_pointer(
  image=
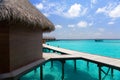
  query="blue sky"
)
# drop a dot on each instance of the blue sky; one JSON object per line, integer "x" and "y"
{"x": 82, "y": 19}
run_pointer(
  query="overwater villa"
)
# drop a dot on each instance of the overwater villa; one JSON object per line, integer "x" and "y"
{"x": 45, "y": 39}
{"x": 21, "y": 47}
{"x": 21, "y": 28}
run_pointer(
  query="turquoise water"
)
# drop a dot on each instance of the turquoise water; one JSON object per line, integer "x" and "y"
{"x": 110, "y": 48}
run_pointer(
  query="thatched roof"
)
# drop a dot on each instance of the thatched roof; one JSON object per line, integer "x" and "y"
{"x": 21, "y": 11}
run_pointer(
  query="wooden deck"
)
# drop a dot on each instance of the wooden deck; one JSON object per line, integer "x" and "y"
{"x": 100, "y": 60}
{"x": 111, "y": 63}
{"x": 55, "y": 56}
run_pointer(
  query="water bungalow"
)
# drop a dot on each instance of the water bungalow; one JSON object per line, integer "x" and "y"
{"x": 21, "y": 28}
{"x": 45, "y": 39}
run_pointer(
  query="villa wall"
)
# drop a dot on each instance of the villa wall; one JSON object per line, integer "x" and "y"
{"x": 25, "y": 47}
{"x": 19, "y": 46}
{"x": 4, "y": 49}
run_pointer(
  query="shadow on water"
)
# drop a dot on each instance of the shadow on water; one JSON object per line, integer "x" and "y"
{"x": 118, "y": 78}
{"x": 79, "y": 75}
{"x": 48, "y": 77}
{"x": 71, "y": 74}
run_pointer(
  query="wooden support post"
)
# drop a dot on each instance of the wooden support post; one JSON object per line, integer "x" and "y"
{"x": 54, "y": 51}
{"x": 75, "y": 65}
{"x": 100, "y": 75}
{"x": 63, "y": 62}
{"x": 88, "y": 65}
{"x": 35, "y": 70}
{"x": 51, "y": 63}
{"x": 41, "y": 72}
{"x": 112, "y": 72}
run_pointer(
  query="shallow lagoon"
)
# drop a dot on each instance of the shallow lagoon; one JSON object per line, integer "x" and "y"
{"x": 110, "y": 48}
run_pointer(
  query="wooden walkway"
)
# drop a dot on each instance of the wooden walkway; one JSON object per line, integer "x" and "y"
{"x": 107, "y": 61}
{"x": 55, "y": 56}
{"x": 101, "y": 61}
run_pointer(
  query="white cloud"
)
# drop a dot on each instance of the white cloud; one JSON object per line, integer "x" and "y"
{"x": 51, "y": 8}
{"x": 58, "y": 26}
{"x": 39, "y": 6}
{"x": 74, "y": 10}
{"x": 82, "y": 24}
{"x": 111, "y": 10}
{"x": 71, "y": 26}
{"x": 101, "y": 10}
{"x": 111, "y": 22}
{"x": 55, "y": 8}
{"x": 115, "y": 12}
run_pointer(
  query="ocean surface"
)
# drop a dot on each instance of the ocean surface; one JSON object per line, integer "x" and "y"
{"x": 109, "y": 48}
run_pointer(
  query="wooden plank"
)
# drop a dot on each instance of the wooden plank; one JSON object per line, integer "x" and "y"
{"x": 47, "y": 56}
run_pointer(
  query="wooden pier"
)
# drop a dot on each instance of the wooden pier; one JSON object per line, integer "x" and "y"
{"x": 101, "y": 61}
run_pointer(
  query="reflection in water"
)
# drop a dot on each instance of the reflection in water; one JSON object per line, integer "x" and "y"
{"x": 48, "y": 77}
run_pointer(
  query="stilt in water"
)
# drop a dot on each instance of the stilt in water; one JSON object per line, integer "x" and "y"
{"x": 41, "y": 72}
{"x": 63, "y": 62}
{"x": 51, "y": 63}
{"x": 74, "y": 65}
{"x": 35, "y": 70}
{"x": 100, "y": 75}
{"x": 88, "y": 65}
{"x": 112, "y": 72}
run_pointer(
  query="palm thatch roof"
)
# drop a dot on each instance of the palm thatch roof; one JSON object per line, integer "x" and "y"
{"x": 21, "y": 11}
